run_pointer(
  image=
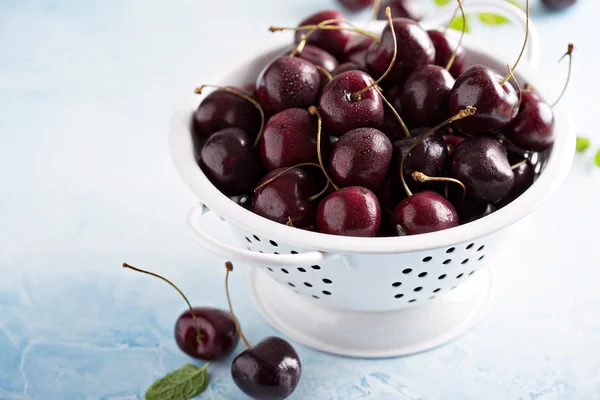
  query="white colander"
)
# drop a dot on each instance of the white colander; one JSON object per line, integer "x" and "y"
{"x": 396, "y": 295}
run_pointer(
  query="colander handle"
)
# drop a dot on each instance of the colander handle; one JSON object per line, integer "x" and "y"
{"x": 238, "y": 254}
{"x": 503, "y": 8}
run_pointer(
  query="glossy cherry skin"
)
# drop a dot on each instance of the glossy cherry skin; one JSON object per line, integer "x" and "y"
{"x": 524, "y": 177}
{"x": 218, "y": 334}
{"x": 269, "y": 370}
{"x": 341, "y": 113}
{"x": 356, "y": 52}
{"x": 415, "y": 50}
{"x": 425, "y": 96}
{"x": 356, "y": 5}
{"x": 288, "y": 82}
{"x": 345, "y": 67}
{"x": 453, "y": 140}
{"x": 222, "y": 109}
{"x": 556, "y": 5}
{"x": 331, "y": 41}
{"x": 429, "y": 157}
{"x": 350, "y": 211}
{"x": 533, "y": 127}
{"x": 424, "y": 212}
{"x": 361, "y": 157}
{"x": 289, "y": 138}
{"x": 402, "y": 9}
{"x": 444, "y": 47}
{"x": 319, "y": 57}
{"x": 481, "y": 164}
{"x": 285, "y": 197}
{"x": 230, "y": 162}
{"x": 496, "y": 105}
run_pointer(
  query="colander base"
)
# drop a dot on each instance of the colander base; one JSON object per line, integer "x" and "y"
{"x": 371, "y": 334}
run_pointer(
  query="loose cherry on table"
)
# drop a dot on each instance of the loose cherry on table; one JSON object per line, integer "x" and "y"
{"x": 201, "y": 332}
{"x": 445, "y": 46}
{"x": 269, "y": 370}
{"x": 350, "y": 211}
{"x": 411, "y": 9}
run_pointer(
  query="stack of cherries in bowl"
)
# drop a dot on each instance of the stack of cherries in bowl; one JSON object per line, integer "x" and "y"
{"x": 356, "y": 134}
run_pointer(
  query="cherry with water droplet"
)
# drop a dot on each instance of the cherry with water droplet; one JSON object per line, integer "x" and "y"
{"x": 318, "y": 57}
{"x": 333, "y": 41}
{"x": 350, "y": 211}
{"x": 445, "y": 46}
{"x": 424, "y": 212}
{"x": 533, "y": 127}
{"x": 524, "y": 172}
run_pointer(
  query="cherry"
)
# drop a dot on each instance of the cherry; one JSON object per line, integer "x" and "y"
{"x": 222, "y": 109}
{"x": 425, "y": 96}
{"x": 345, "y": 67}
{"x": 361, "y": 157}
{"x": 424, "y": 212}
{"x": 201, "y": 332}
{"x": 217, "y": 331}
{"x": 391, "y": 127}
{"x": 556, "y": 5}
{"x": 481, "y": 163}
{"x": 289, "y": 138}
{"x": 429, "y": 156}
{"x": 287, "y": 82}
{"x": 403, "y": 8}
{"x": 230, "y": 162}
{"x": 524, "y": 173}
{"x": 269, "y": 370}
{"x": 414, "y": 48}
{"x": 474, "y": 210}
{"x": 444, "y": 48}
{"x": 284, "y": 197}
{"x": 356, "y": 5}
{"x": 453, "y": 140}
{"x": 350, "y": 211}
{"x": 533, "y": 127}
{"x": 356, "y": 52}
{"x": 333, "y": 41}
{"x": 318, "y": 57}
{"x": 341, "y": 113}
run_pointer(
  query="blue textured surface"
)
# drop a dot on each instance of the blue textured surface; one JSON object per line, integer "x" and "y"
{"x": 86, "y": 93}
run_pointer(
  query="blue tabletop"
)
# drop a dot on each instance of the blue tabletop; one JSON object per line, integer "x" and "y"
{"x": 86, "y": 93}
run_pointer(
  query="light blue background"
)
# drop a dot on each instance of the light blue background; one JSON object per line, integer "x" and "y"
{"x": 86, "y": 93}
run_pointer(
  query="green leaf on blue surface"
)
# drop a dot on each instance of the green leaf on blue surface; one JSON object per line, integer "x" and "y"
{"x": 582, "y": 144}
{"x": 182, "y": 384}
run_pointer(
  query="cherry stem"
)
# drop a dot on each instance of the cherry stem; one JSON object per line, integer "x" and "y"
{"x": 464, "y": 113}
{"x": 324, "y": 71}
{"x": 357, "y": 95}
{"x": 304, "y": 37}
{"x": 462, "y": 35}
{"x": 527, "y": 87}
{"x": 350, "y": 28}
{"x": 289, "y": 222}
{"x": 452, "y": 20}
{"x": 518, "y": 86}
{"x": 570, "y": 54}
{"x": 229, "y": 267}
{"x": 243, "y": 96}
{"x": 514, "y": 68}
{"x": 421, "y": 177}
{"x": 285, "y": 171}
{"x": 376, "y": 6}
{"x": 321, "y": 193}
{"x": 517, "y": 165}
{"x": 314, "y": 111}
{"x": 402, "y": 124}
{"x": 298, "y": 49}
{"x": 199, "y": 336}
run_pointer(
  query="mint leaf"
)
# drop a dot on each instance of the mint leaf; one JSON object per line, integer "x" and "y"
{"x": 442, "y": 2}
{"x": 597, "y": 158}
{"x": 582, "y": 144}
{"x": 182, "y": 384}
{"x": 457, "y": 23}
{"x": 492, "y": 19}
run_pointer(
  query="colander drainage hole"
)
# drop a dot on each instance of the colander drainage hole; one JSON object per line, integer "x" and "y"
{"x": 427, "y": 259}
{"x": 466, "y": 260}
{"x": 396, "y": 284}
{"x": 275, "y": 253}
{"x": 422, "y": 275}
{"x": 315, "y": 297}
{"x": 481, "y": 248}
{"x": 437, "y": 290}
{"x": 407, "y": 271}
{"x": 470, "y": 246}
{"x": 453, "y": 287}
{"x": 412, "y": 301}
{"x": 418, "y": 289}
{"x": 256, "y": 237}
{"x": 327, "y": 281}
{"x": 432, "y": 297}
{"x": 291, "y": 284}
{"x": 273, "y": 243}
{"x": 442, "y": 276}
{"x": 293, "y": 252}
{"x": 285, "y": 271}
{"x": 301, "y": 269}
{"x": 448, "y": 261}
{"x": 307, "y": 284}
{"x": 316, "y": 267}
{"x": 471, "y": 273}
{"x": 399, "y": 296}
{"x": 249, "y": 241}
{"x": 270, "y": 269}
{"x": 325, "y": 292}
{"x": 480, "y": 258}
{"x": 459, "y": 276}
{"x": 450, "y": 250}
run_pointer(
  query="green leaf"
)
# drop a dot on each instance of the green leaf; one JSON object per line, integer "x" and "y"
{"x": 582, "y": 144}
{"x": 516, "y": 3}
{"x": 442, "y": 2}
{"x": 492, "y": 19}
{"x": 182, "y": 384}
{"x": 457, "y": 23}
{"x": 597, "y": 158}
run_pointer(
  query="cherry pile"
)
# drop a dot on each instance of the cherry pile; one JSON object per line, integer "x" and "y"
{"x": 355, "y": 134}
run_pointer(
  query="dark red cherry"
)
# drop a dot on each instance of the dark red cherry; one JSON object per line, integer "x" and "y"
{"x": 350, "y": 211}
{"x": 524, "y": 177}
{"x": 341, "y": 113}
{"x": 424, "y": 212}
{"x": 319, "y": 57}
{"x": 289, "y": 138}
{"x": 356, "y": 5}
{"x": 453, "y": 140}
{"x": 345, "y": 67}
{"x": 288, "y": 82}
{"x": 533, "y": 127}
{"x": 556, "y": 5}
{"x": 391, "y": 126}
{"x": 285, "y": 197}
{"x": 356, "y": 52}
{"x": 430, "y": 157}
{"x": 230, "y": 162}
{"x": 332, "y": 41}
{"x": 361, "y": 157}
{"x": 425, "y": 96}
{"x": 481, "y": 164}
{"x": 479, "y": 87}
{"x": 218, "y": 334}
{"x": 474, "y": 210}
{"x": 402, "y": 8}
{"x": 445, "y": 46}
{"x": 415, "y": 50}
{"x": 269, "y": 370}
{"x": 222, "y": 109}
